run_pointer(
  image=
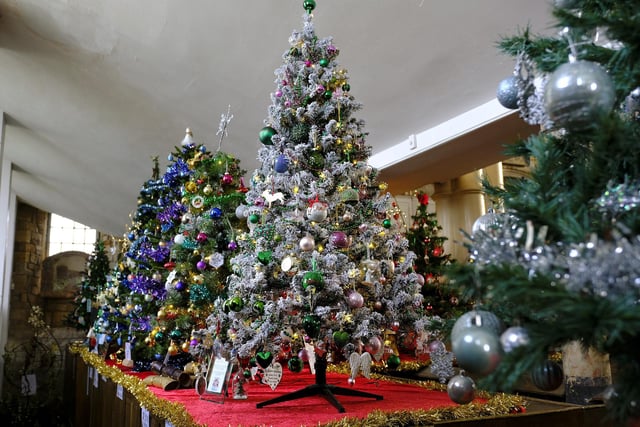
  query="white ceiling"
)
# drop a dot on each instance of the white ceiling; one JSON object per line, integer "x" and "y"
{"x": 92, "y": 89}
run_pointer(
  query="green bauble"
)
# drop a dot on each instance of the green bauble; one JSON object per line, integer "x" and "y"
{"x": 313, "y": 280}
{"x": 295, "y": 364}
{"x": 309, "y": 5}
{"x": 266, "y": 133}
{"x": 393, "y": 362}
{"x": 254, "y": 218}
{"x": 346, "y": 87}
{"x": 311, "y": 325}
{"x": 341, "y": 338}
{"x": 386, "y": 223}
{"x": 328, "y": 94}
{"x": 176, "y": 334}
{"x": 236, "y": 304}
{"x": 323, "y": 62}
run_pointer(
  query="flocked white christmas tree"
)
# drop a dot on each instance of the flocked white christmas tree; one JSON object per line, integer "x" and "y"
{"x": 324, "y": 272}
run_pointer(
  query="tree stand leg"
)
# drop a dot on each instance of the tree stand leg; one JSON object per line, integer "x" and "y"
{"x": 321, "y": 388}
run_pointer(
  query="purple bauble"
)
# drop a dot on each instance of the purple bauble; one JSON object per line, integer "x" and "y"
{"x": 201, "y": 265}
{"x": 180, "y": 286}
{"x": 339, "y": 239}
{"x": 193, "y": 342}
{"x": 355, "y": 299}
{"x": 232, "y": 246}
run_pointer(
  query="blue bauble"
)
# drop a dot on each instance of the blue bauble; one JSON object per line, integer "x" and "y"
{"x": 215, "y": 213}
{"x": 281, "y": 164}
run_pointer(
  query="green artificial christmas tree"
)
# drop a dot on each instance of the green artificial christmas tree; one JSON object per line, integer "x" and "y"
{"x": 93, "y": 282}
{"x": 323, "y": 272}
{"x": 203, "y": 244}
{"x": 562, "y": 263}
{"x": 432, "y": 261}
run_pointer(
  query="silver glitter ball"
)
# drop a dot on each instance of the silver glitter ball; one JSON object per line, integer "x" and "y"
{"x": 507, "y": 93}
{"x": 577, "y": 94}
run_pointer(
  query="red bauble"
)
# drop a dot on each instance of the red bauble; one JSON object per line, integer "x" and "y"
{"x": 437, "y": 251}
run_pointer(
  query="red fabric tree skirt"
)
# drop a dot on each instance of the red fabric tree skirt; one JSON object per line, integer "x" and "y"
{"x": 307, "y": 411}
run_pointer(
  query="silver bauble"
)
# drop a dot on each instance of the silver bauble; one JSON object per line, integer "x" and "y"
{"x": 477, "y": 318}
{"x": 577, "y": 94}
{"x": 507, "y": 93}
{"x": 486, "y": 222}
{"x": 461, "y": 389}
{"x": 477, "y": 350}
{"x": 514, "y": 337}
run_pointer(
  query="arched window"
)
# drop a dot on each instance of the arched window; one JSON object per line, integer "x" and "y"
{"x": 68, "y": 235}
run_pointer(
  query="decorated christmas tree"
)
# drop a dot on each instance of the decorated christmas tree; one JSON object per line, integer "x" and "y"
{"x": 324, "y": 273}
{"x": 561, "y": 263}
{"x": 432, "y": 261}
{"x": 93, "y": 281}
{"x": 180, "y": 245}
{"x": 204, "y": 242}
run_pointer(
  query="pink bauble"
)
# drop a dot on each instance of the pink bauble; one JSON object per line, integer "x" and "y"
{"x": 355, "y": 299}
{"x": 374, "y": 345}
{"x": 303, "y": 355}
{"x": 201, "y": 237}
{"x": 227, "y": 178}
{"x": 435, "y": 346}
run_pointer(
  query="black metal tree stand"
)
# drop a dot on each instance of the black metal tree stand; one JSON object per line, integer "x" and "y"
{"x": 320, "y": 388}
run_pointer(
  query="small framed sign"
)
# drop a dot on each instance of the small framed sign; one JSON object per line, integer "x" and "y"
{"x": 214, "y": 386}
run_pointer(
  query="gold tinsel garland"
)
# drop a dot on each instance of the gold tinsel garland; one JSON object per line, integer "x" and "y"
{"x": 497, "y": 404}
{"x": 163, "y": 409}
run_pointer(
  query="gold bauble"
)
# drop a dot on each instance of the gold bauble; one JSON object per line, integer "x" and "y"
{"x": 172, "y": 350}
{"x": 185, "y": 346}
{"x": 161, "y": 314}
{"x": 383, "y": 186}
{"x": 208, "y": 189}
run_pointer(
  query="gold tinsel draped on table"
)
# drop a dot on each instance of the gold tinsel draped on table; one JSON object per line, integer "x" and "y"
{"x": 496, "y": 404}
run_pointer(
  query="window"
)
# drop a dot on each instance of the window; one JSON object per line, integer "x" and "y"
{"x": 68, "y": 235}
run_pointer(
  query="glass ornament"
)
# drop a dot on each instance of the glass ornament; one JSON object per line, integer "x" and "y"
{"x": 477, "y": 350}
{"x": 486, "y": 222}
{"x": 461, "y": 389}
{"x": 477, "y": 318}
{"x": 577, "y": 94}
{"x": 514, "y": 337}
{"x": 265, "y": 135}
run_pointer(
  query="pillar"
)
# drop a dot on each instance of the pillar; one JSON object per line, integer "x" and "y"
{"x": 7, "y": 235}
{"x": 460, "y": 202}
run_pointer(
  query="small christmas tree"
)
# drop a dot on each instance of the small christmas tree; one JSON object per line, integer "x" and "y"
{"x": 93, "y": 282}
{"x": 431, "y": 260}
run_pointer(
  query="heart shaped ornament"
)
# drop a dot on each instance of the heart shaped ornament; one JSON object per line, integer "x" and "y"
{"x": 264, "y": 359}
{"x": 272, "y": 375}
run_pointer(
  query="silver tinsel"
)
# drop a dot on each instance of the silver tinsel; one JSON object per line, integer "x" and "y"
{"x": 531, "y": 92}
{"x": 604, "y": 268}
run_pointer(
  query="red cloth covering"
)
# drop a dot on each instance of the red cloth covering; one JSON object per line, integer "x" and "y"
{"x": 307, "y": 411}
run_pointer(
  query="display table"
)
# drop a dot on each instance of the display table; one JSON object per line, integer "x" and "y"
{"x": 100, "y": 394}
